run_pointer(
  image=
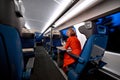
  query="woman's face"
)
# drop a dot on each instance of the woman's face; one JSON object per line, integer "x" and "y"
{"x": 68, "y": 33}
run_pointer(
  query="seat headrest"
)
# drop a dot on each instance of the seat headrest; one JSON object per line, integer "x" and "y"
{"x": 28, "y": 35}
{"x": 101, "y": 29}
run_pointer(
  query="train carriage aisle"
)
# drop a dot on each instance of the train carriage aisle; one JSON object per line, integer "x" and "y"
{"x": 44, "y": 67}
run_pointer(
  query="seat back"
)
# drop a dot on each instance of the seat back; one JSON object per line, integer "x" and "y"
{"x": 93, "y": 49}
{"x": 88, "y": 50}
{"x": 10, "y": 53}
{"x": 27, "y": 40}
{"x": 4, "y": 63}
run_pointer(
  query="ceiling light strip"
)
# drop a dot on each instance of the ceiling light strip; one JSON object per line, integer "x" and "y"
{"x": 56, "y": 14}
{"x": 78, "y": 9}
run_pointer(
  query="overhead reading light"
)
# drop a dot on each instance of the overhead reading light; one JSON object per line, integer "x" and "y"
{"x": 63, "y": 5}
{"x": 78, "y": 9}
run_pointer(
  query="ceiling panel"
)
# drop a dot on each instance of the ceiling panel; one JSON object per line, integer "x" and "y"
{"x": 38, "y": 12}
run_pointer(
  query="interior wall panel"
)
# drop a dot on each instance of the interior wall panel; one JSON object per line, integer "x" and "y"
{"x": 104, "y": 8}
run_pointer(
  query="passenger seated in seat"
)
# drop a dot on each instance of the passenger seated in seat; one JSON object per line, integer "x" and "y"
{"x": 75, "y": 46}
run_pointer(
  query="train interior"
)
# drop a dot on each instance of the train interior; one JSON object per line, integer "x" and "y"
{"x": 29, "y": 46}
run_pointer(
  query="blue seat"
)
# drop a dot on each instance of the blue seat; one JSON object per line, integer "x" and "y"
{"x": 4, "y": 64}
{"x": 46, "y": 43}
{"x": 56, "y": 41}
{"x": 27, "y": 40}
{"x": 27, "y": 43}
{"x": 93, "y": 51}
{"x": 11, "y": 56}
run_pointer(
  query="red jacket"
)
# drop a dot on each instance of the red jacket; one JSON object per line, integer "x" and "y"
{"x": 75, "y": 46}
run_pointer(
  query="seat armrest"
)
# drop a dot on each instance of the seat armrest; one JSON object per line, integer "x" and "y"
{"x": 73, "y": 55}
{"x": 26, "y": 74}
{"x": 28, "y": 68}
{"x": 81, "y": 60}
{"x": 30, "y": 63}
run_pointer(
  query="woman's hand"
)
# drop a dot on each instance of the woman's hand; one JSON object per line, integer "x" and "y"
{"x": 63, "y": 43}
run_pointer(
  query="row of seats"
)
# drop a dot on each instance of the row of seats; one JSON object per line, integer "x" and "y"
{"x": 56, "y": 41}
{"x": 28, "y": 46}
{"x": 46, "y": 42}
{"x": 12, "y": 64}
{"x": 91, "y": 55}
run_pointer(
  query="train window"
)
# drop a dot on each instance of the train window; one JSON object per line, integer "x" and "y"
{"x": 112, "y": 22}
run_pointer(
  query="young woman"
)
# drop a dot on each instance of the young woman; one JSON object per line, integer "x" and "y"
{"x": 75, "y": 46}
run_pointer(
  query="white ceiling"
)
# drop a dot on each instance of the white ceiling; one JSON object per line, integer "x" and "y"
{"x": 38, "y": 12}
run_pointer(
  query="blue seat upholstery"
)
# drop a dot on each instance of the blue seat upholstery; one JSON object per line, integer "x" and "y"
{"x": 93, "y": 50}
{"x": 28, "y": 40}
{"x": 46, "y": 43}
{"x": 56, "y": 41}
{"x": 38, "y": 37}
{"x": 27, "y": 43}
{"x": 4, "y": 64}
{"x": 11, "y": 54}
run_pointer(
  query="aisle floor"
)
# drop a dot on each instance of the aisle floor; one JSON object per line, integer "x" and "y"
{"x": 44, "y": 67}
